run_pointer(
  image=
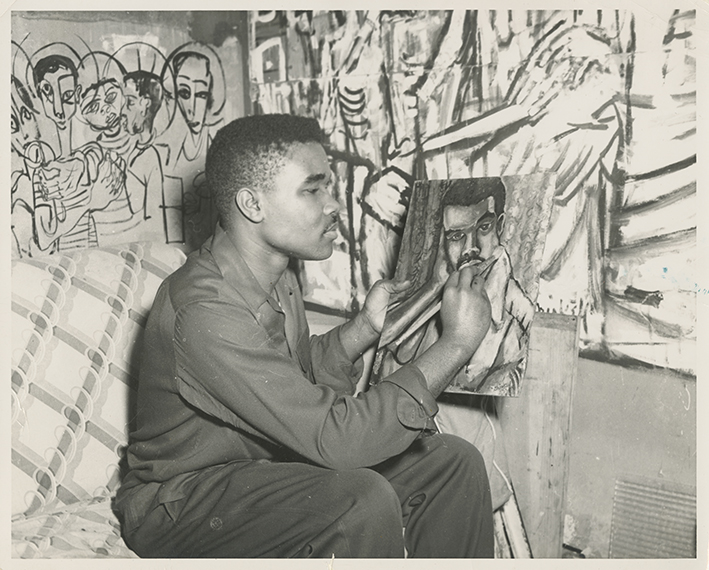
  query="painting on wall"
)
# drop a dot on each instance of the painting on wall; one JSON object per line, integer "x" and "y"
{"x": 496, "y": 226}
{"x": 110, "y": 127}
{"x": 590, "y": 95}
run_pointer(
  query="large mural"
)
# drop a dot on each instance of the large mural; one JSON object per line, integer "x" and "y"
{"x": 605, "y": 99}
{"x": 110, "y": 126}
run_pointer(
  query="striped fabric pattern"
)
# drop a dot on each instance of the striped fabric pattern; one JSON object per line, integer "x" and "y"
{"x": 77, "y": 320}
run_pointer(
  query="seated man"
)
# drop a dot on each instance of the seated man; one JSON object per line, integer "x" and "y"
{"x": 249, "y": 440}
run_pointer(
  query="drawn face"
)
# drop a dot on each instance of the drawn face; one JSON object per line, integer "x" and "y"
{"x": 57, "y": 92}
{"x": 194, "y": 83}
{"x": 300, "y": 214}
{"x": 102, "y": 107}
{"x": 136, "y": 108}
{"x": 472, "y": 233}
{"x": 23, "y": 126}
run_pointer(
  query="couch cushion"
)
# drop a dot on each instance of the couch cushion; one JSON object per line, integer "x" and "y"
{"x": 80, "y": 530}
{"x": 77, "y": 320}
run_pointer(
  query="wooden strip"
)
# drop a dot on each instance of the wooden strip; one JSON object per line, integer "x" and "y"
{"x": 536, "y": 429}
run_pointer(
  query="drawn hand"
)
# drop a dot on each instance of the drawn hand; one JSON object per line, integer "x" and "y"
{"x": 110, "y": 179}
{"x": 59, "y": 178}
{"x": 61, "y": 196}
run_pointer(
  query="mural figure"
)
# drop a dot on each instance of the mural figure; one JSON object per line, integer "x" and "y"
{"x": 23, "y": 131}
{"x": 144, "y": 95}
{"x": 146, "y": 115}
{"x": 54, "y": 196}
{"x": 102, "y": 106}
{"x": 55, "y": 75}
{"x": 198, "y": 89}
{"x": 111, "y": 117}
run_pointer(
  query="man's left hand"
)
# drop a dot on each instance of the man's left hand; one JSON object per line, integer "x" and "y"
{"x": 377, "y": 301}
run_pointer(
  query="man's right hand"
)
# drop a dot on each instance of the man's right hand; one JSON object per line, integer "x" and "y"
{"x": 465, "y": 310}
{"x": 466, "y": 317}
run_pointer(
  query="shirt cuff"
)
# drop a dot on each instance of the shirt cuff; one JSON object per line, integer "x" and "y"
{"x": 417, "y": 409}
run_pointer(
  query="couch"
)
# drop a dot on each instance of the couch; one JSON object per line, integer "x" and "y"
{"x": 76, "y": 323}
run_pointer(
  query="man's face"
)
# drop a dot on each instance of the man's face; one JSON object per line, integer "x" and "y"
{"x": 57, "y": 91}
{"x": 471, "y": 232}
{"x": 193, "y": 85}
{"x": 136, "y": 108}
{"x": 300, "y": 214}
{"x": 102, "y": 107}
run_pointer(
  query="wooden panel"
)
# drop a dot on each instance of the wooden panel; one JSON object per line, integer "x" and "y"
{"x": 536, "y": 430}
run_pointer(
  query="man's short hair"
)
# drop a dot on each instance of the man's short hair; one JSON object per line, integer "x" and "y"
{"x": 466, "y": 192}
{"x": 250, "y": 151}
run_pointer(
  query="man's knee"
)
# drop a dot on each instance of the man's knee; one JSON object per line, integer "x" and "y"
{"x": 370, "y": 521}
{"x": 461, "y": 452}
{"x": 367, "y": 491}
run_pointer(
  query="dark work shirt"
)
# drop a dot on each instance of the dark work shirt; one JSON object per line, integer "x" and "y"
{"x": 231, "y": 373}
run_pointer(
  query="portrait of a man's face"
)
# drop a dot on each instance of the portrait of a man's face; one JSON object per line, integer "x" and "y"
{"x": 56, "y": 85}
{"x": 102, "y": 106}
{"x": 465, "y": 223}
{"x": 143, "y": 95}
{"x": 194, "y": 85}
{"x": 136, "y": 108}
{"x": 471, "y": 233}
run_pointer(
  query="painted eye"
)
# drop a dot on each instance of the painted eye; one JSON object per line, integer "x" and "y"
{"x": 47, "y": 91}
{"x": 25, "y": 115}
{"x": 92, "y": 108}
{"x": 184, "y": 93}
{"x": 202, "y": 94}
{"x": 456, "y": 236}
{"x": 68, "y": 96}
{"x": 111, "y": 97}
{"x": 14, "y": 126}
{"x": 485, "y": 227}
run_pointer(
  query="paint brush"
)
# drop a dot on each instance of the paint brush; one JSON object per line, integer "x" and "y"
{"x": 483, "y": 269}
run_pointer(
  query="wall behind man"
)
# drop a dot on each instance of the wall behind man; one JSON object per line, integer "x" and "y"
{"x": 626, "y": 423}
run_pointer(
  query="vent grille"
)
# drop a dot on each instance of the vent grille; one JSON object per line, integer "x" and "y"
{"x": 653, "y": 519}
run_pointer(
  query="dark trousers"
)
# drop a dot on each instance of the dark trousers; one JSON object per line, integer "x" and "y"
{"x": 438, "y": 490}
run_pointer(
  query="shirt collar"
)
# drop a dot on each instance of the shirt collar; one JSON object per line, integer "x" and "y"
{"x": 238, "y": 275}
{"x": 235, "y": 271}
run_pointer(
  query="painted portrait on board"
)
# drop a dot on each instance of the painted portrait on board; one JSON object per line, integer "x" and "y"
{"x": 498, "y": 227}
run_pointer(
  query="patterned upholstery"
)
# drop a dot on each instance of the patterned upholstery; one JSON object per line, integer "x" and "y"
{"x": 77, "y": 320}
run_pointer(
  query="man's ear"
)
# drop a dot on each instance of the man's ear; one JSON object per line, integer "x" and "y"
{"x": 248, "y": 202}
{"x": 500, "y": 225}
